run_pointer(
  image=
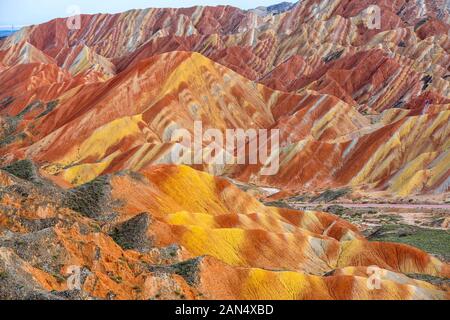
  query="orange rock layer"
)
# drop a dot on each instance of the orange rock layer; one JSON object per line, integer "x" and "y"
{"x": 215, "y": 242}
{"x": 95, "y": 110}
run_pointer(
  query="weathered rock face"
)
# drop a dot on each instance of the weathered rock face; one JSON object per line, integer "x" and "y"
{"x": 228, "y": 245}
{"x": 93, "y": 111}
{"x": 356, "y": 106}
{"x": 328, "y": 142}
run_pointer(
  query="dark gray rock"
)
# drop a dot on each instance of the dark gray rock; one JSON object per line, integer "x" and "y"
{"x": 132, "y": 234}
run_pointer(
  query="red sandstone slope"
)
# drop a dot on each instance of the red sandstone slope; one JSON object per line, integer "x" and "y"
{"x": 321, "y": 136}
{"x": 210, "y": 30}
{"x": 95, "y": 109}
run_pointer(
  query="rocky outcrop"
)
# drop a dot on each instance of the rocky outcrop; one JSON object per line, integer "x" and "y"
{"x": 229, "y": 246}
{"x": 92, "y": 205}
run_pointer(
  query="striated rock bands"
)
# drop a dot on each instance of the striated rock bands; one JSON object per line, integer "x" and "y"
{"x": 87, "y": 186}
{"x": 229, "y": 246}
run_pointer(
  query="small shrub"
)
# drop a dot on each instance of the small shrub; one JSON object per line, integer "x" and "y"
{"x": 5, "y": 102}
{"x": 91, "y": 199}
{"x": 23, "y": 169}
{"x": 30, "y": 107}
{"x": 49, "y": 108}
{"x": 331, "y": 195}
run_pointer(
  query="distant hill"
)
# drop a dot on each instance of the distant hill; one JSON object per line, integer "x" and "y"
{"x": 6, "y": 33}
{"x": 274, "y": 9}
{"x": 280, "y": 7}
{"x": 91, "y": 190}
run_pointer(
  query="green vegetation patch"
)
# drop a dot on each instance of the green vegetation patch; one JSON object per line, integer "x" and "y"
{"x": 30, "y": 107}
{"x": 436, "y": 242}
{"x": 189, "y": 270}
{"x": 437, "y": 281}
{"x": 91, "y": 199}
{"x": 132, "y": 234}
{"x": 5, "y": 102}
{"x": 279, "y": 204}
{"x": 3, "y": 275}
{"x": 23, "y": 169}
{"x": 420, "y": 23}
{"x": 333, "y": 56}
{"x": 49, "y": 108}
{"x": 331, "y": 195}
{"x": 8, "y": 129}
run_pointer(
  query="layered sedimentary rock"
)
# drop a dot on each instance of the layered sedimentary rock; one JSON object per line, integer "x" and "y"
{"x": 96, "y": 108}
{"x": 229, "y": 246}
{"x": 325, "y": 141}
{"x": 326, "y": 50}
